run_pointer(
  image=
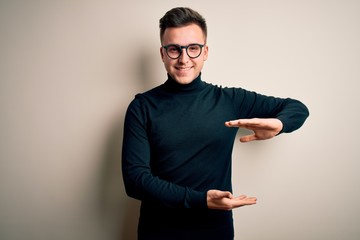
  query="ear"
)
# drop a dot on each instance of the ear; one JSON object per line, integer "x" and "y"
{"x": 162, "y": 54}
{"x": 206, "y": 52}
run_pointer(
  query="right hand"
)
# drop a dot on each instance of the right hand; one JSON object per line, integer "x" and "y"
{"x": 224, "y": 200}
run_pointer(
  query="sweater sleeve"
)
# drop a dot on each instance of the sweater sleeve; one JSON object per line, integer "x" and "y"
{"x": 291, "y": 112}
{"x": 139, "y": 181}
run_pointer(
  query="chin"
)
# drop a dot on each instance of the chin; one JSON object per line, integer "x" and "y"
{"x": 184, "y": 78}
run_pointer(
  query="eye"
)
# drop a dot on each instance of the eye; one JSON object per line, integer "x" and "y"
{"x": 194, "y": 48}
{"x": 173, "y": 49}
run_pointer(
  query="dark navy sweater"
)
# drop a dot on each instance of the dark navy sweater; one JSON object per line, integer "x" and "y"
{"x": 176, "y": 148}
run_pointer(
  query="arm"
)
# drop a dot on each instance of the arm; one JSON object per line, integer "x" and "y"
{"x": 269, "y": 116}
{"x": 140, "y": 183}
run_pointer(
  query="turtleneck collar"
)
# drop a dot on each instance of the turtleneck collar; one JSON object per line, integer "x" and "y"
{"x": 196, "y": 85}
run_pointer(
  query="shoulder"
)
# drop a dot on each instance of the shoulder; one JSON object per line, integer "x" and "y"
{"x": 143, "y": 99}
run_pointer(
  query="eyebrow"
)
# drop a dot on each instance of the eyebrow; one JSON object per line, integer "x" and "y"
{"x": 183, "y": 45}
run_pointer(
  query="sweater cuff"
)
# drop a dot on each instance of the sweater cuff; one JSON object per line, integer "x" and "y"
{"x": 195, "y": 199}
{"x": 283, "y": 126}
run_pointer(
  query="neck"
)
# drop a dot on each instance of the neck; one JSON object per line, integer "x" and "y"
{"x": 174, "y": 86}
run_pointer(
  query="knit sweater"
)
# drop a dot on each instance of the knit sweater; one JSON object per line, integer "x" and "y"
{"x": 176, "y": 146}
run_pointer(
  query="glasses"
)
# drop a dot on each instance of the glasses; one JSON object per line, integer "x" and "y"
{"x": 174, "y": 51}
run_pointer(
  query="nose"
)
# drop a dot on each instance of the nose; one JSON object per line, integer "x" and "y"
{"x": 184, "y": 58}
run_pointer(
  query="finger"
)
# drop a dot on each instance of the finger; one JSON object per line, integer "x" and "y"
{"x": 244, "y": 202}
{"x": 243, "y": 122}
{"x": 250, "y": 200}
{"x": 232, "y": 123}
{"x": 253, "y": 199}
{"x": 246, "y": 198}
{"x": 249, "y": 126}
{"x": 237, "y": 123}
{"x": 242, "y": 197}
{"x": 224, "y": 194}
{"x": 248, "y": 138}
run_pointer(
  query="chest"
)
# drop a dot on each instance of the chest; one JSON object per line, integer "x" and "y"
{"x": 183, "y": 122}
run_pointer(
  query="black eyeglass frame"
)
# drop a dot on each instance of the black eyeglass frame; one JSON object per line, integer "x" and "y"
{"x": 182, "y": 47}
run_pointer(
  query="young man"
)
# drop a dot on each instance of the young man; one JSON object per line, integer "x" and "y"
{"x": 178, "y": 139}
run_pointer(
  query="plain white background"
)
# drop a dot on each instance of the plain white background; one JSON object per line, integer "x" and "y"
{"x": 68, "y": 70}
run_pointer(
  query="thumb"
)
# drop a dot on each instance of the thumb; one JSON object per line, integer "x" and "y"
{"x": 248, "y": 138}
{"x": 225, "y": 194}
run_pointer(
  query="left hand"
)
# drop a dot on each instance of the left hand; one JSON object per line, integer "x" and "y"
{"x": 263, "y": 128}
{"x": 224, "y": 200}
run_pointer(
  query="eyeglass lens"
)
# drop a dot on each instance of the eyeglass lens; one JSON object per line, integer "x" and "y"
{"x": 192, "y": 50}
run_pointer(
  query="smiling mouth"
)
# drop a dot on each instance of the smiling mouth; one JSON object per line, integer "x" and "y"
{"x": 183, "y": 68}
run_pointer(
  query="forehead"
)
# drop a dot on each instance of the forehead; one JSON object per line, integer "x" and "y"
{"x": 183, "y": 35}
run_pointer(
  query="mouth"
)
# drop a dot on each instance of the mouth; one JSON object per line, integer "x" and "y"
{"x": 183, "y": 69}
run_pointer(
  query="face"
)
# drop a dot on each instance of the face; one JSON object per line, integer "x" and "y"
{"x": 184, "y": 69}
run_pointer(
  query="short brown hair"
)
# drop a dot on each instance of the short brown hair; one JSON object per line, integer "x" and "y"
{"x": 179, "y": 17}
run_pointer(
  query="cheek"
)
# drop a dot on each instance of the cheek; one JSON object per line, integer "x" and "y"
{"x": 200, "y": 62}
{"x": 167, "y": 65}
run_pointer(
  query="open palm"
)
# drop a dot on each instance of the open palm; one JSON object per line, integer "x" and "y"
{"x": 263, "y": 128}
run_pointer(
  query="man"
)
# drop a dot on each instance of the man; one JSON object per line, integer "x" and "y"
{"x": 178, "y": 139}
